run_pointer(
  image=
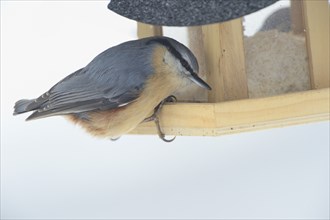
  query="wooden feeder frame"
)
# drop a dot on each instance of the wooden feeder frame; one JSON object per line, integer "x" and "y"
{"x": 229, "y": 109}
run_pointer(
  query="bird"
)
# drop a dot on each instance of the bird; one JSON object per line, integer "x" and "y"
{"x": 120, "y": 88}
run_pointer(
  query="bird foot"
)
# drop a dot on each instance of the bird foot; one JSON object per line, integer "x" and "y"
{"x": 154, "y": 117}
{"x": 114, "y": 138}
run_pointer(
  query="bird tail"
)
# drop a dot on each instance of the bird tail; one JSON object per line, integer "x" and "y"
{"x": 24, "y": 105}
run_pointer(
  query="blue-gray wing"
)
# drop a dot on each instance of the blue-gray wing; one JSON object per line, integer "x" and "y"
{"x": 113, "y": 79}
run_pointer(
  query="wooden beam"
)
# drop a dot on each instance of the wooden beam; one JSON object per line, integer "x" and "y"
{"x": 224, "y": 54}
{"x": 213, "y": 119}
{"x": 196, "y": 45}
{"x": 316, "y": 18}
{"x": 147, "y": 30}
{"x": 297, "y": 23}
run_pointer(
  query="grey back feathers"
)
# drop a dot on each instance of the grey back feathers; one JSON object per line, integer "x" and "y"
{"x": 112, "y": 79}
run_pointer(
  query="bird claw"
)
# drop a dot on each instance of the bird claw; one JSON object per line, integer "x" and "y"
{"x": 154, "y": 117}
{"x": 114, "y": 138}
{"x": 171, "y": 98}
{"x": 161, "y": 135}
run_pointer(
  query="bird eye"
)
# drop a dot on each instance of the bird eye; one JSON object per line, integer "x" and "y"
{"x": 185, "y": 64}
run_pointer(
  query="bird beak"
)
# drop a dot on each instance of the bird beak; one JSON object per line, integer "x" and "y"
{"x": 193, "y": 77}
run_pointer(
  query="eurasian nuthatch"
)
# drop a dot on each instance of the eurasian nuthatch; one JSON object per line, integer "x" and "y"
{"x": 120, "y": 87}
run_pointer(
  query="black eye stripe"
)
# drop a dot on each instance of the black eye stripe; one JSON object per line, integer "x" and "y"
{"x": 173, "y": 51}
{"x": 185, "y": 64}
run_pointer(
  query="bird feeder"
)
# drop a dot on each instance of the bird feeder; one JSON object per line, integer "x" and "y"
{"x": 228, "y": 108}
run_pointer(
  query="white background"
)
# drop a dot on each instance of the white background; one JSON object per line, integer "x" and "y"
{"x": 52, "y": 169}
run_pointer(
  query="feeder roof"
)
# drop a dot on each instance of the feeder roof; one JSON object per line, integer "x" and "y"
{"x": 186, "y": 12}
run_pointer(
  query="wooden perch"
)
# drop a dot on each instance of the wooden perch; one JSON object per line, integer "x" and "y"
{"x": 213, "y": 119}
